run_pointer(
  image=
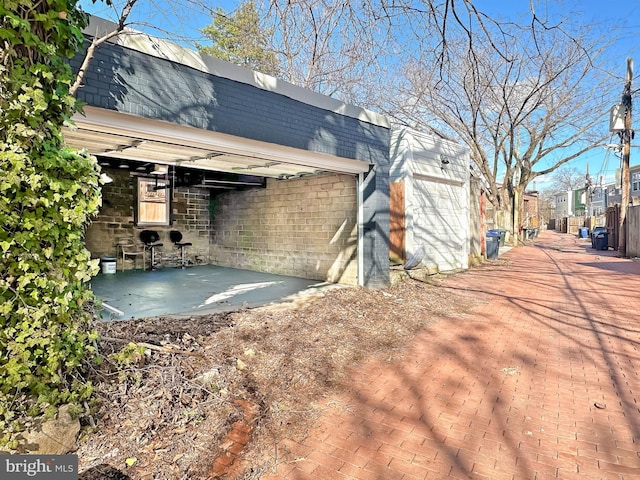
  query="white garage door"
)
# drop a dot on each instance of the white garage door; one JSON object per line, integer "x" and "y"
{"x": 440, "y": 223}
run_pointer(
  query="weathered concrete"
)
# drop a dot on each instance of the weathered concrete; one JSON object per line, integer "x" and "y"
{"x": 195, "y": 290}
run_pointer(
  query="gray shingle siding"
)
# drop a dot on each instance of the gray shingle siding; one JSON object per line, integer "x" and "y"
{"x": 132, "y": 82}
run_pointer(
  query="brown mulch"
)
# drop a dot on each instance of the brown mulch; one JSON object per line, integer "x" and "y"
{"x": 176, "y": 407}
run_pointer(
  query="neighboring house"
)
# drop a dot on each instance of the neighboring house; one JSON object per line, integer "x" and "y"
{"x": 430, "y": 218}
{"x": 531, "y": 210}
{"x": 579, "y": 201}
{"x": 597, "y": 201}
{"x": 614, "y": 194}
{"x": 255, "y": 173}
{"x": 564, "y": 204}
{"x": 634, "y": 179}
{"x": 571, "y": 203}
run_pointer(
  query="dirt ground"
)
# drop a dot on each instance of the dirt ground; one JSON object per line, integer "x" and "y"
{"x": 210, "y": 396}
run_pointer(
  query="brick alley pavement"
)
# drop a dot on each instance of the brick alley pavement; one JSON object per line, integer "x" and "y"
{"x": 539, "y": 381}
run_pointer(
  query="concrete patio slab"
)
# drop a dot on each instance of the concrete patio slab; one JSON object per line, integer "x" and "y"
{"x": 195, "y": 290}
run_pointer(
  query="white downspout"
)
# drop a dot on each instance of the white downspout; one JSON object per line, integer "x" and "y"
{"x": 360, "y": 241}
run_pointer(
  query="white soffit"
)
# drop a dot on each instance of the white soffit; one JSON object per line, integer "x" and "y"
{"x": 117, "y": 135}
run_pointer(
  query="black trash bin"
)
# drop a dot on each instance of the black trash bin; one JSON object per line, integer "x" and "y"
{"x": 601, "y": 241}
{"x": 595, "y": 232}
{"x": 493, "y": 244}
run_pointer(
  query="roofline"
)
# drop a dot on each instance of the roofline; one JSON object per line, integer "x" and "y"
{"x": 109, "y": 121}
{"x": 401, "y": 131}
{"x": 166, "y": 50}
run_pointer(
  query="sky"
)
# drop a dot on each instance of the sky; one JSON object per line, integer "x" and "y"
{"x": 623, "y": 16}
{"x": 181, "y": 23}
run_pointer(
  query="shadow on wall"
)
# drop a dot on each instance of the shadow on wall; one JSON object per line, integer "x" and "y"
{"x": 347, "y": 236}
{"x": 157, "y": 85}
{"x": 376, "y": 194}
{"x": 302, "y": 227}
{"x": 104, "y": 84}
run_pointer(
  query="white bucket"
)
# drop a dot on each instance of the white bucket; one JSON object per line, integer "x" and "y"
{"x": 108, "y": 265}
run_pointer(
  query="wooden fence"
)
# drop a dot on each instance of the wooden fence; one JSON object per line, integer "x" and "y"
{"x": 612, "y": 224}
{"x": 633, "y": 231}
{"x": 573, "y": 224}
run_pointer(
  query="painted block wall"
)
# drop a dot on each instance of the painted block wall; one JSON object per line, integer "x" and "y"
{"x": 437, "y": 202}
{"x": 115, "y": 221}
{"x": 438, "y": 221}
{"x": 304, "y": 227}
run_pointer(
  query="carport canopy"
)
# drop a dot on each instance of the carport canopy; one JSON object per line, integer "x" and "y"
{"x": 115, "y": 135}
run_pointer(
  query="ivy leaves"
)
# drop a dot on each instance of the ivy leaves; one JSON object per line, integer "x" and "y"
{"x": 48, "y": 195}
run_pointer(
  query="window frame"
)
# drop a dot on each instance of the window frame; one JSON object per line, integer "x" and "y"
{"x": 140, "y": 200}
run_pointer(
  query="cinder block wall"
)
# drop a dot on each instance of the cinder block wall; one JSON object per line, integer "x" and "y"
{"x": 304, "y": 227}
{"x": 190, "y": 213}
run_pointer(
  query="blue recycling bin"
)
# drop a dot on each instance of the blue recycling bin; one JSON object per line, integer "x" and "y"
{"x": 493, "y": 244}
{"x": 583, "y": 232}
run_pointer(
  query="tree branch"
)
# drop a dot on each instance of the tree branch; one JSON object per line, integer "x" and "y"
{"x": 95, "y": 42}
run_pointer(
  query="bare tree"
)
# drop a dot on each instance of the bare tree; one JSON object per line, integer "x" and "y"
{"x": 353, "y": 49}
{"x": 567, "y": 178}
{"x": 340, "y": 48}
{"x": 328, "y": 46}
{"x": 525, "y": 105}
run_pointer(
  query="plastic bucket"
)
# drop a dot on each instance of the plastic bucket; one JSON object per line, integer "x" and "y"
{"x": 108, "y": 265}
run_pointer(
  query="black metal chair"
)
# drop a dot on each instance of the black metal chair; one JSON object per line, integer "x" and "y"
{"x": 176, "y": 237}
{"x": 151, "y": 238}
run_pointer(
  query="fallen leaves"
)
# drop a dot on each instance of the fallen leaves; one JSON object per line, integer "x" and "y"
{"x": 173, "y": 413}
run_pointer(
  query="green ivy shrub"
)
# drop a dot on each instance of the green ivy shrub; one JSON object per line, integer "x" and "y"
{"x": 48, "y": 194}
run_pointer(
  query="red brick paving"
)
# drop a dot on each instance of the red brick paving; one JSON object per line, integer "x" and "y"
{"x": 508, "y": 391}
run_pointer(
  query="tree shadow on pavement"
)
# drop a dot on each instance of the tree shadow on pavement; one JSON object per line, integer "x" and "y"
{"x": 541, "y": 380}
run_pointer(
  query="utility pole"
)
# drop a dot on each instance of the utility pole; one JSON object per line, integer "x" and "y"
{"x": 625, "y": 138}
{"x": 587, "y": 192}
